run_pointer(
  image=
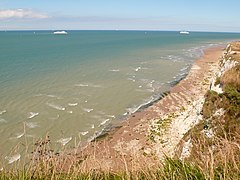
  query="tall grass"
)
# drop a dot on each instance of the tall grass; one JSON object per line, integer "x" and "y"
{"x": 232, "y": 77}
{"x": 219, "y": 160}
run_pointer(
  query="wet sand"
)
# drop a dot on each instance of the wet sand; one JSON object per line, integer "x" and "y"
{"x": 147, "y": 136}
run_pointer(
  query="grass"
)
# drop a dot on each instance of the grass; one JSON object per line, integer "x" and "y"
{"x": 232, "y": 77}
{"x": 206, "y": 165}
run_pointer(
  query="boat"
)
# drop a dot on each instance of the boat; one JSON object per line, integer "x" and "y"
{"x": 184, "y": 32}
{"x": 60, "y": 32}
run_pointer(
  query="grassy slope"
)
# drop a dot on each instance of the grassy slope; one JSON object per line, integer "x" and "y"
{"x": 216, "y": 139}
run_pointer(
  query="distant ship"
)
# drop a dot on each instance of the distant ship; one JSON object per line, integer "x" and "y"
{"x": 184, "y": 32}
{"x": 60, "y": 32}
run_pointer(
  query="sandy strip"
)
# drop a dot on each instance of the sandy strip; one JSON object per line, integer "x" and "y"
{"x": 149, "y": 135}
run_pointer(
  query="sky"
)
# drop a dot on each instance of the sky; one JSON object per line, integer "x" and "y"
{"x": 191, "y": 15}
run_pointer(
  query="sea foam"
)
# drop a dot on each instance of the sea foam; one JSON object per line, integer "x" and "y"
{"x": 84, "y": 133}
{"x": 17, "y": 136}
{"x": 32, "y": 115}
{"x": 12, "y": 159}
{"x": 138, "y": 68}
{"x": 88, "y": 85}
{"x": 54, "y": 106}
{"x": 87, "y": 110}
{"x": 64, "y": 141}
{"x": 2, "y": 112}
{"x": 72, "y": 104}
{"x": 81, "y": 85}
{"x": 114, "y": 70}
{"x": 104, "y": 122}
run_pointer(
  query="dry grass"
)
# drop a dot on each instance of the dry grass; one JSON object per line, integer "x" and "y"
{"x": 232, "y": 77}
{"x": 210, "y": 159}
{"x": 233, "y": 51}
{"x": 218, "y": 158}
{"x": 235, "y": 46}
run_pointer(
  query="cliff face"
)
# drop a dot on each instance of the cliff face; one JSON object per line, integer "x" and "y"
{"x": 215, "y": 141}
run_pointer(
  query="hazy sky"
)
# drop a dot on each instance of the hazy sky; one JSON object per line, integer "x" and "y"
{"x": 198, "y": 15}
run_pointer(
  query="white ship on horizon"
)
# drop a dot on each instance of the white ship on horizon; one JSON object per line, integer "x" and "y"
{"x": 184, "y": 32}
{"x": 60, "y": 32}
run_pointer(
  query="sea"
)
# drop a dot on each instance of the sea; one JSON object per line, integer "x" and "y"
{"x": 73, "y": 87}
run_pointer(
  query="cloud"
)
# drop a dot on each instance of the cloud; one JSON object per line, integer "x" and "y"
{"x": 21, "y": 14}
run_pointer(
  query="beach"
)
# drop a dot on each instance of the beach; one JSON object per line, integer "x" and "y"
{"x": 153, "y": 133}
{"x": 77, "y": 86}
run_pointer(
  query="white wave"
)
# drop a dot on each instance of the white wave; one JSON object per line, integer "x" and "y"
{"x": 135, "y": 109}
{"x": 32, "y": 115}
{"x": 13, "y": 158}
{"x": 126, "y": 113}
{"x": 32, "y": 124}
{"x": 52, "y": 96}
{"x": 170, "y": 57}
{"x": 152, "y": 81}
{"x": 81, "y": 85}
{"x": 64, "y": 141}
{"x": 111, "y": 116}
{"x": 48, "y": 95}
{"x": 84, "y": 133}
{"x": 96, "y": 134}
{"x": 58, "y": 107}
{"x": 114, "y": 70}
{"x": 72, "y": 104}
{"x": 2, "y": 112}
{"x": 138, "y": 68}
{"x": 88, "y": 85}
{"x": 87, "y": 110}
{"x": 104, "y": 122}
{"x": 2, "y": 120}
{"x": 184, "y": 69}
{"x": 20, "y": 135}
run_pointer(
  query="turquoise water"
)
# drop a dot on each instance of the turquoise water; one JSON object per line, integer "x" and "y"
{"x": 73, "y": 86}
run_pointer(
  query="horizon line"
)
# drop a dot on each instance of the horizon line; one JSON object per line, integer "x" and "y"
{"x": 152, "y": 30}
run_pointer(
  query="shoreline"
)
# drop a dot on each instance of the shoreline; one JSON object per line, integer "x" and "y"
{"x": 150, "y": 134}
{"x": 110, "y": 129}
